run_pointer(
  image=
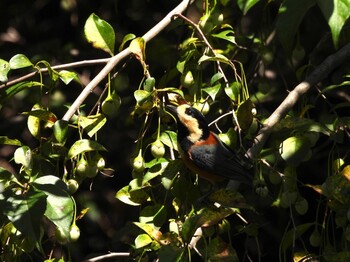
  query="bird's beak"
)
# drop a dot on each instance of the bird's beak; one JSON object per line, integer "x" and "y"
{"x": 172, "y": 109}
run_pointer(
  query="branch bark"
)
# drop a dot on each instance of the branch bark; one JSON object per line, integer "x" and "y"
{"x": 321, "y": 72}
{"x": 120, "y": 56}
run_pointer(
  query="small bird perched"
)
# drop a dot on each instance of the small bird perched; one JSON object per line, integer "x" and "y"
{"x": 202, "y": 151}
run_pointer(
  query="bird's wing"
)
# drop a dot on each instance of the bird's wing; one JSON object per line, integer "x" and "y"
{"x": 219, "y": 160}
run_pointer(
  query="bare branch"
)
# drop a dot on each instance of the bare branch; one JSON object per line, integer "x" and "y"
{"x": 56, "y": 67}
{"x": 322, "y": 71}
{"x": 107, "y": 256}
{"x": 120, "y": 56}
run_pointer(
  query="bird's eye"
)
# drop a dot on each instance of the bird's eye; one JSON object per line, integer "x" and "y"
{"x": 189, "y": 111}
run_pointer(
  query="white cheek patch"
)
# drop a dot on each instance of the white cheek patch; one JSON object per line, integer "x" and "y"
{"x": 191, "y": 124}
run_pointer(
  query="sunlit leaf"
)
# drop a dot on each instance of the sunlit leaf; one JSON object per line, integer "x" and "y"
{"x": 84, "y": 145}
{"x": 150, "y": 230}
{"x": 126, "y": 39}
{"x": 23, "y": 156}
{"x": 19, "y": 61}
{"x": 137, "y": 47}
{"x": 132, "y": 198}
{"x": 100, "y": 34}
{"x": 295, "y": 150}
{"x": 226, "y": 35}
{"x": 44, "y": 115}
{"x": 68, "y": 76}
{"x": 336, "y": 12}
{"x": 92, "y": 124}
{"x": 4, "y": 69}
{"x": 169, "y": 138}
{"x": 60, "y": 131}
{"x": 4, "y": 140}
{"x": 212, "y": 91}
{"x": 142, "y": 240}
{"x": 60, "y": 206}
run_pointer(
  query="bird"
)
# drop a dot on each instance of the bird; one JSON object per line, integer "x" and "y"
{"x": 202, "y": 151}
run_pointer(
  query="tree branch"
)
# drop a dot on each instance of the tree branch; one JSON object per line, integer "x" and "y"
{"x": 56, "y": 67}
{"x": 123, "y": 54}
{"x": 321, "y": 72}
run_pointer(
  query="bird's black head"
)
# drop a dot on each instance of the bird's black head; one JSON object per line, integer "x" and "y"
{"x": 191, "y": 123}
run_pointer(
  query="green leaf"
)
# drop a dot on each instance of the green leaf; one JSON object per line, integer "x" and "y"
{"x": 291, "y": 13}
{"x": 226, "y": 35}
{"x": 126, "y": 39}
{"x": 216, "y": 77}
{"x": 154, "y": 215}
{"x": 295, "y": 150}
{"x": 6, "y": 93}
{"x": 60, "y": 130}
{"x": 44, "y": 115}
{"x": 26, "y": 211}
{"x": 19, "y": 61}
{"x": 289, "y": 238}
{"x": 150, "y": 230}
{"x": 68, "y": 76}
{"x": 336, "y": 12}
{"x": 141, "y": 96}
{"x": 92, "y": 124}
{"x": 4, "y": 69}
{"x": 60, "y": 206}
{"x": 142, "y": 240}
{"x": 212, "y": 90}
{"x": 100, "y": 34}
{"x": 217, "y": 58}
{"x": 245, "y": 115}
{"x": 4, "y": 140}
{"x": 84, "y": 145}
{"x": 23, "y": 156}
{"x": 233, "y": 90}
{"x": 137, "y": 47}
{"x": 132, "y": 198}
{"x": 245, "y": 5}
{"x": 169, "y": 138}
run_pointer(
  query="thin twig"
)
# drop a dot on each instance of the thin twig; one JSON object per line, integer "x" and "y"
{"x": 56, "y": 67}
{"x": 110, "y": 255}
{"x": 322, "y": 71}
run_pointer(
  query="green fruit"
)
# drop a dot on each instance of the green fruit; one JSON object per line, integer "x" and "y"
{"x": 99, "y": 161}
{"x": 72, "y": 185}
{"x": 86, "y": 169}
{"x": 301, "y": 206}
{"x": 187, "y": 79}
{"x": 74, "y": 233}
{"x": 111, "y": 104}
{"x": 138, "y": 164}
{"x": 157, "y": 149}
{"x": 60, "y": 235}
{"x": 315, "y": 239}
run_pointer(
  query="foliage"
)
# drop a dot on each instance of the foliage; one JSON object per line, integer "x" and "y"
{"x": 299, "y": 201}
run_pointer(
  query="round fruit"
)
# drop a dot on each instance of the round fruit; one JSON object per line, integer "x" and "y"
{"x": 74, "y": 233}
{"x": 157, "y": 149}
{"x": 139, "y": 163}
{"x": 315, "y": 239}
{"x": 111, "y": 105}
{"x": 72, "y": 185}
{"x": 61, "y": 237}
{"x": 86, "y": 169}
